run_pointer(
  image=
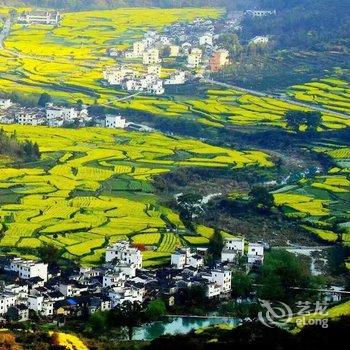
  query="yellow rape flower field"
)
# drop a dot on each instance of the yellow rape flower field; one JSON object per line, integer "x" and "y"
{"x": 68, "y": 341}
{"x": 89, "y": 190}
{"x": 68, "y": 63}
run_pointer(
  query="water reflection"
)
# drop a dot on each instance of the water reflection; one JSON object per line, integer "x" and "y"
{"x": 178, "y": 325}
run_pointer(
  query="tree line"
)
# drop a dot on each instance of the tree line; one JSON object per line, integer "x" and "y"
{"x": 10, "y": 146}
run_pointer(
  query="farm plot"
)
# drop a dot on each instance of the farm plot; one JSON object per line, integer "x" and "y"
{"x": 68, "y": 61}
{"x": 80, "y": 206}
{"x": 322, "y": 203}
{"x": 220, "y": 107}
{"x": 331, "y": 93}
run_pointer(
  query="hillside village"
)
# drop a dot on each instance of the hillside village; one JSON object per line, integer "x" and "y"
{"x": 32, "y": 287}
{"x": 182, "y": 53}
{"x": 41, "y": 288}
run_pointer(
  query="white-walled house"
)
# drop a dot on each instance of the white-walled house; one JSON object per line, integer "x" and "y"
{"x": 7, "y": 300}
{"x": 260, "y": 13}
{"x": 206, "y": 39}
{"x": 115, "y": 122}
{"x": 65, "y": 113}
{"x": 259, "y": 40}
{"x": 40, "y": 17}
{"x": 222, "y": 277}
{"x": 27, "y": 269}
{"x": 255, "y": 253}
{"x": 151, "y": 56}
{"x": 183, "y": 257}
{"x": 139, "y": 48}
{"x": 124, "y": 253}
{"x": 177, "y": 78}
{"x": 233, "y": 248}
{"x": 155, "y": 69}
{"x": 116, "y": 75}
{"x": 120, "y": 295}
{"x": 113, "y": 279}
{"x": 5, "y": 103}
{"x": 174, "y": 50}
{"x": 212, "y": 290}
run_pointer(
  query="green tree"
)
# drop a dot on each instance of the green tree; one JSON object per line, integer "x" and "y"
{"x": 129, "y": 314}
{"x": 80, "y": 104}
{"x": 49, "y": 253}
{"x": 310, "y": 120}
{"x": 155, "y": 310}
{"x": 281, "y": 271}
{"x": 241, "y": 284}
{"x": 216, "y": 243}
{"x": 261, "y": 199}
{"x": 97, "y": 322}
{"x": 44, "y": 99}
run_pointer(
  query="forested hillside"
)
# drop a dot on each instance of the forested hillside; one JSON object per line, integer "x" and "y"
{"x": 306, "y": 24}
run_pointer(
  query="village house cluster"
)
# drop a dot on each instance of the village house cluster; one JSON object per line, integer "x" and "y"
{"x": 55, "y": 116}
{"x": 37, "y": 287}
{"x": 34, "y": 287}
{"x": 190, "y": 47}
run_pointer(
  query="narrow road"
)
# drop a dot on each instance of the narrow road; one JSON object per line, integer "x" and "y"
{"x": 284, "y": 99}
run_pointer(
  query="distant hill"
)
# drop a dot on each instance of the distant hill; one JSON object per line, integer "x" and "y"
{"x": 307, "y": 24}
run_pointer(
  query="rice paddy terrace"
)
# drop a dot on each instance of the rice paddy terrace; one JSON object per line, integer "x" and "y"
{"x": 93, "y": 187}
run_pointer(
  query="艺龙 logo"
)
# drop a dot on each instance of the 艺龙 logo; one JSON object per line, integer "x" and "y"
{"x": 274, "y": 313}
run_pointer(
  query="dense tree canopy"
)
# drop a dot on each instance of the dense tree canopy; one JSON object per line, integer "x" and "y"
{"x": 11, "y": 147}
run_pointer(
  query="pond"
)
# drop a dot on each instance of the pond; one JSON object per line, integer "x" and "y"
{"x": 178, "y": 325}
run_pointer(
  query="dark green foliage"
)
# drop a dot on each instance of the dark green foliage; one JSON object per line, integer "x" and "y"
{"x": 44, "y": 99}
{"x": 11, "y": 147}
{"x": 49, "y": 253}
{"x": 280, "y": 272}
{"x": 298, "y": 119}
{"x": 155, "y": 310}
{"x": 241, "y": 284}
{"x": 216, "y": 244}
{"x": 261, "y": 199}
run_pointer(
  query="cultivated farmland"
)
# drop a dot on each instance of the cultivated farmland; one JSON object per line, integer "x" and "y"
{"x": 322, "y": 202}
{"x": 89, "y": 190}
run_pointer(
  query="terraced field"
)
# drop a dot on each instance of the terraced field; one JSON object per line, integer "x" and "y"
{"x": 68, "y": 61}
{"x": 90, "y": 190}
{"x": 331, "y": 93}
{"x": 220, "y": 107}
{"x": 322, "y": 203}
